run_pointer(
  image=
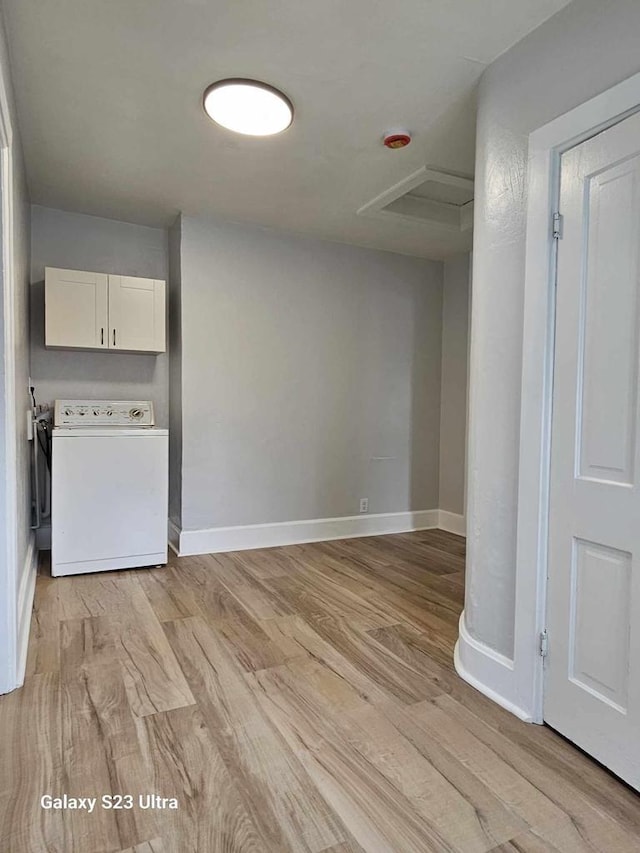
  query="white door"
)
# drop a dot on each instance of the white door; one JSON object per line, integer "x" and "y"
{"x": 136, "y": 314}
{"x": 592, "y": 677}
{"x": 75, "y": 309}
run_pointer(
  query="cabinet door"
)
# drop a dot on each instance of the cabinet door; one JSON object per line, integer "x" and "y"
{"x": 75, "y": 309}
{"x": 136, "y": 314}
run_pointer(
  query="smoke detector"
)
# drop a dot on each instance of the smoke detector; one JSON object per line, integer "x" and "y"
{"x": 396, "y": 139}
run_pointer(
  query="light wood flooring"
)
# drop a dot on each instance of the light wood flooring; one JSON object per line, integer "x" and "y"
{"x": 291, "y": 699}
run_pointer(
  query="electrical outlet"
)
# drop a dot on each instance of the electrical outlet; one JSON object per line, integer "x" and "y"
{"x": 364, "y": 504}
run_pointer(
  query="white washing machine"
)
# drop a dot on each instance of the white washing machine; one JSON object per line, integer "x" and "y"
{"x": 109, "y": 487}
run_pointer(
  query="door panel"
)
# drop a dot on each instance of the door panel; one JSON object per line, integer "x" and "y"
{"x": 592, "y": 676}
{"x": 136, "y": 313}
{"x": 75, "y": 309}
{"x": 600, "y": 590}
{"x": 609, "y": 326}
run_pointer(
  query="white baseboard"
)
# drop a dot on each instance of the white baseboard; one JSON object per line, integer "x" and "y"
{"x": 487, "y": 670}
{"x": 219, "y": 539}
{"x": 25, "y": 608}
{"x": 452, "y": 522}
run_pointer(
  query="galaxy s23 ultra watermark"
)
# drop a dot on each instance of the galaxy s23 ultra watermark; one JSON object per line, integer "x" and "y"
{"x": 108, "y": 802}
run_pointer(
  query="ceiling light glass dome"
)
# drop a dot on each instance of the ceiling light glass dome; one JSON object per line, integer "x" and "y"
{"x": 248, "y": 106}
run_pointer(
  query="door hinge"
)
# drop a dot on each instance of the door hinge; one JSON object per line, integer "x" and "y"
{"x": 557, "y": 226}
{"x": 544, "y": 643}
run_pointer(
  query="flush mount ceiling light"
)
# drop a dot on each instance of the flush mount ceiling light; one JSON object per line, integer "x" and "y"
{"x": 248, "y": 106}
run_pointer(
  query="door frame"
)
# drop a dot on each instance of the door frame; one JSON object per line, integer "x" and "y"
{"x": 8, "y": 414}
{"x": 546, "y": 145}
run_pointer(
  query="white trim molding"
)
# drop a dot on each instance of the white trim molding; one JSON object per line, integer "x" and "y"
{"x": 519, "y": 687}
{"x": 452, "y": 522}
{"x": 25, "y": 606}
{"x": 219, "y": 539}
{"x": 480, "y": 666}
{"x": 8, "y": 453}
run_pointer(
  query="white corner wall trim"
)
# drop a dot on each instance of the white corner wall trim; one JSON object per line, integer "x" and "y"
{"x": 452, "y": 522}
{"x": 219, "y": 539}
{"x": 8, "y": 417}
{"x": 480, "y": 666}
{"x": 25, "y": 606}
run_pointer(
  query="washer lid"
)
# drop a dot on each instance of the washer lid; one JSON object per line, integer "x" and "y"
{"x": 109, "y": 432}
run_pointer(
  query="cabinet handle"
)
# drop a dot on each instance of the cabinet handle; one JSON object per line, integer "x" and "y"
{"x": 114, "y": 337}
{"x": 101, "y": 337}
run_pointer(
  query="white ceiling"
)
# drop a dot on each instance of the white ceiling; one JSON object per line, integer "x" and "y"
{"x": 109, "y": 101}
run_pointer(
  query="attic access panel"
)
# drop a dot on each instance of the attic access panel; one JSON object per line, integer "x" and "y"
{"x": 428, "y": 195}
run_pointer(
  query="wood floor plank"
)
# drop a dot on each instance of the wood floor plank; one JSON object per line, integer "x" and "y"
{"x": 418, "y": 551}
{"x": 544, "y": 805}
{"x": 233, "y": 571}
{"x": 352, "y": 720}
{"x": 81, "y": 596}
{"x": 351, "y": 846}
{"x": 470, "y": 823}
{"x": 187, "y": 765}
{"x": 265, "y": 563}
{"x": 152, "y": 677}
{"x": 298, "y": 631}
{"x": 434, "y": 593}
{"x": 378, "y": 663}
{"x": 556, "y": 839}
{"x": 418, "y": 650}
{"x": 580, "y": 810}
{"x": 100, "y": 747}
{"x": 155, "y": 845}
{"x": 377, "y": 814}
{"x": 528, "y": 842}
{"x": 169, "y": 597}
{"x": 450, "y": 543}
{"x": 43, "y": 651}
{"x": 248, "y": 642}
{"x": 555, "y": 755}
{"x": 299, "y": 698}
{"x": 30, "y": 766}
{"x": 315, "y": 595}
{"x": 440, "y": 632}
{"x": 215, "y": 600}
{"x": 277, "y": 791}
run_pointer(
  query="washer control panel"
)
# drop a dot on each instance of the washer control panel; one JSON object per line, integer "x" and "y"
{"x": 103, "y": 413}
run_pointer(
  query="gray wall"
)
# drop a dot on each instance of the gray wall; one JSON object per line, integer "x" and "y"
{"x": 13, "y": 577}
{"x": 455, "y": 357}
{"x": 175, "y": 372}
{"x": 76, "y": 241}
{"x": 310, "y": 377}
{"x": 583, "y": 50}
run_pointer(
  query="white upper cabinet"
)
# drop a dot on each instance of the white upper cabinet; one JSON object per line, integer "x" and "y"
{"x": 76, "y": 309}
{"x": 136, "y": 314}
{"x": 85, "y": 310}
